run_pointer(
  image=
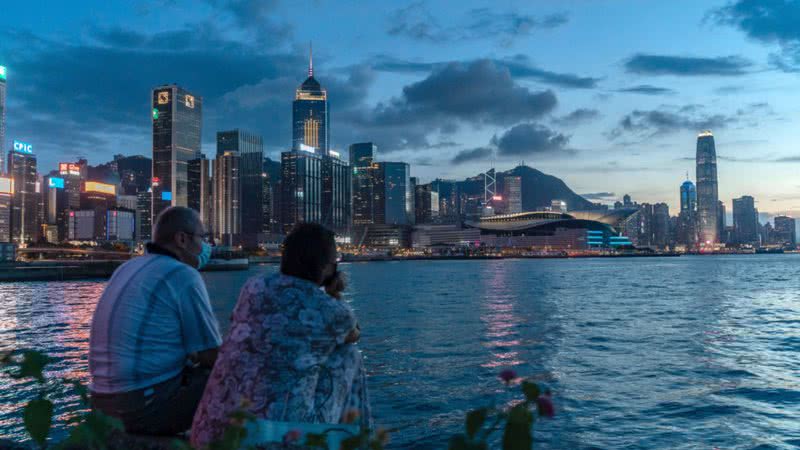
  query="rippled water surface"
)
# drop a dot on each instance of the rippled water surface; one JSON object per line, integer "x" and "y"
{"x": 688, "y": 352}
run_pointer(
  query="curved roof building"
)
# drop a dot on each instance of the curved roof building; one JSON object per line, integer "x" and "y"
{"x": 537, "y": 222}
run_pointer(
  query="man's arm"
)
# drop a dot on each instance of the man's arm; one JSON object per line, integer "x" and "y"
{"x": 199, "y": 328}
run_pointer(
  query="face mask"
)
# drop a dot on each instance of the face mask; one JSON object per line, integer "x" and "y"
{"x": 204, "y": 256}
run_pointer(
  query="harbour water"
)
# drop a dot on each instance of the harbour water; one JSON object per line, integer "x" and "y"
{"x": 689, "y": 352}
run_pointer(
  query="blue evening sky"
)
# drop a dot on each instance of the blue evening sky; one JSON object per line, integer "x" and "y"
{"x": 607, "y": 95}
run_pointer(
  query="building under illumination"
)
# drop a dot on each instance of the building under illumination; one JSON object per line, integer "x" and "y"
{"x": 6, "y": 196}
{"x": 3, "y": 75}
{"x": 177, "y": 122}
{"x": 707, "y": 190}
{"x": 250, "y": 148}
{"x": 362, "y": 156}
{"x": 310, "y": 115}
{"x": 25, "y": 205}
{"x": 227, "y": 199}
{"x": 301, "y": 188}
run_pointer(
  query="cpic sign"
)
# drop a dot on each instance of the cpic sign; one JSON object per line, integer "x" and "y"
{"x": 23, "y": 147}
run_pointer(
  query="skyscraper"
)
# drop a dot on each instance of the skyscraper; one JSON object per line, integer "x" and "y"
{"x": 250, "y": 148}
{"x": 785, "y": 231}
{"x": 660, "y": 226}
{"x": 135, "y": 173}
{"x": 25, "y": 206}
{"x": 3, "y": 74}
{"x": 362, "y": 156}
{"x": 310, "y": 115}
{"x": 688, "y": 196}
{"x": 177, "y": 123}
{"x": 301, "y": 188}
{"x": 200, "y": 189}
{"x": 707, "y": 193}
{"x": 6, "y": 198}
{"x": 745, "y": 220}
{"x": 426, "y": 204}
{"x": 144, "y": 226}
{"x": 392, "y": 194}
{"x": 336, "y": 186}
{"x": 227, "y": 198}
{"x": 513, "y": 194}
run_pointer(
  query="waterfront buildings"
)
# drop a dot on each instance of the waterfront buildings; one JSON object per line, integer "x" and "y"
{"x": 745, "y": 220}
{"x": 227, "y": 197}
{"x": 686, "y": 229}
{"x": 362, "y": 157}
{"x": 56, "y": 204}
{"x": 336, "y": 188}
{"x": 393, "y": 198}
{"x": 310, "y": 115}
{"x": 6, "y": 197}
{"x": 301, "y": 188}
{"x": 784, "y": 232}
{"x": 21, "y": 165}
{"x": 200, "y": 189}
{"x": 426, "y": 204}
{"x": 97, "y": 199}
{"x": 250, "y": 148}
{"x": 3, "y": 80}
{"x": 660, "y": 225}
{"x": 144, "y": 224}
{"x": 708, "y": 213}
{"x": 512, "y": 194}
{"x": 177, "y": 123}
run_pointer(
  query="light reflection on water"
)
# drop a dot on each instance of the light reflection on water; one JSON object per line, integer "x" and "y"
{"x": 690, "y": 352}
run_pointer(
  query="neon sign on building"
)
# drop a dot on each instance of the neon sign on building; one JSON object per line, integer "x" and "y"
{"x": 103, "y": 188}
{"x": 23, "y": 147}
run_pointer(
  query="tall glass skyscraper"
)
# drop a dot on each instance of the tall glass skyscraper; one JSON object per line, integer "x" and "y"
{"x": 362, "y": 156}
{"x": 310, "y": 115}
{"x": 301, "y": 188}
{"x": 250, "y": 148}
{"x": 24, "y": 204}
{"x": 745, "y": 220}
{"x": 177, "y": 124}
{"x": 3, "y": 74}
{"x": 707, "y": 191}
{"x": 688, "y": 196}
{"x": 227, "y": 198}
{"x": 394, "y": 198}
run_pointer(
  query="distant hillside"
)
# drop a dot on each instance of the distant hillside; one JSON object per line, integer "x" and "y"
{"x": 538, "y": 189}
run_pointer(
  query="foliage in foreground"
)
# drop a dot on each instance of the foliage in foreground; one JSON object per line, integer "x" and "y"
{"x": 95, "y": 430}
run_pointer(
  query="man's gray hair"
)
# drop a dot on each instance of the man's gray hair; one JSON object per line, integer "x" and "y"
{"x": 173, "y": 220}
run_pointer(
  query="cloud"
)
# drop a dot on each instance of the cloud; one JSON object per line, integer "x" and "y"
{"x": 416, "y": 22}
{"x": 691, "y": 117}
{"x": 519, "y": 66}
{"x": 599, "y": 196}
{"x": 475, "y": 154}
{"x": 579, "y": 116}
{"x": 531, "y": 139}
{"x": 770, "y": 22}
{"x": 647, "y": 64}
{"x": 647, "y": 89}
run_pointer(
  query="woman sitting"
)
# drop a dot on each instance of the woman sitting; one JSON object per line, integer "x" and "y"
{"x": 289, "y": 355}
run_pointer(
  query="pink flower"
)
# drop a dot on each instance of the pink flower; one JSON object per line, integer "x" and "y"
{"x": 545, "y": 405}
{"x": 508, "y": 376}
{"x": 292, "y": 436}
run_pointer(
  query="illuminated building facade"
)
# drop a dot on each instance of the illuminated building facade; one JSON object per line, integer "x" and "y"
{"x": 785, "y": 231}
{"x": 707, "y": 190}
{"x": 310, "y": 115}
{"x": 686, "y": 232}
{"x": 120, "y": 225}
{"x": 336, "y": 199}
{"x": 6, "y": 197}
{"x": 25, "y": 205}
{"x": 177, "y": 122}
{"x": 362, "y": 156}
{"x": 3, "y": 76}
{"x": 426, "y": 204}
{"x": 98, "y": 198}
{"x": 227, "y": 198}
{"x": 135, "y": 173}
{"x": 301, "y": 188}
{"x": 56, "y": 205}
{"x": 144, "y": 217}
{"x": 512, "y": 193}
{"x": 200, "y": 189}
{"x": 250, "y": 148}
{"x": 392, "y": 197}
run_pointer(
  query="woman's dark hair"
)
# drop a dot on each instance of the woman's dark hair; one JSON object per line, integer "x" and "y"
{"x": 307, "y": 249}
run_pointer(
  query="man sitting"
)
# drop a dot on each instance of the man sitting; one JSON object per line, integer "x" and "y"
{"x": 154, "y": 318}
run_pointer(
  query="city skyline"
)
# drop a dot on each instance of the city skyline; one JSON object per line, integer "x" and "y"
{"x": 623, "y": 120}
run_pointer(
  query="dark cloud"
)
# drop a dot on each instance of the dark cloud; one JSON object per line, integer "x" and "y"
{"x": 599, "y": 196}
{"x": 646, "y": 64}
{"x": 579, "y": 116}
{"x": 416, "y": 22}
{"x": 772, "y": 21}
{"x": 518, "y": 66}
{"x": 692, "y": 117}
{"x": 647, "y": 89}
{"x": 475, "y": 154}
{"x": 531, "y": 139}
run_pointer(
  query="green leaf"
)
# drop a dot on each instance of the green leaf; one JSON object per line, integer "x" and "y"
{"x": 32, "y": 365}
{"x": 531, "y": 391}
{"x": 517, "y": 434}
{"x": 38, "y": 417}
{"x": 475, "y": 420}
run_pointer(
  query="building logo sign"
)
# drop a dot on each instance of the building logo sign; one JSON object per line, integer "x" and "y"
{"x": 23, "y": 147}
{"x": 190, "y": 101}
{"x": 69, "y": 169}
{"x": 3, "y": 72}
{"x": 102, "y": 188}
{"x": 163, "y": 97}
{"x": 56, "y": 183}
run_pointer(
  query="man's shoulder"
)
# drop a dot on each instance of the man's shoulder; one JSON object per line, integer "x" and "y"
{"x": 159, "y": 267}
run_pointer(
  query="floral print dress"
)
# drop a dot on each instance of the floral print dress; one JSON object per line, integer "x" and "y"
{"x": 284, "y": 359}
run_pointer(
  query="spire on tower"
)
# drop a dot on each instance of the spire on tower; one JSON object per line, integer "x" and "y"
{"x": 310, "y": 60}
